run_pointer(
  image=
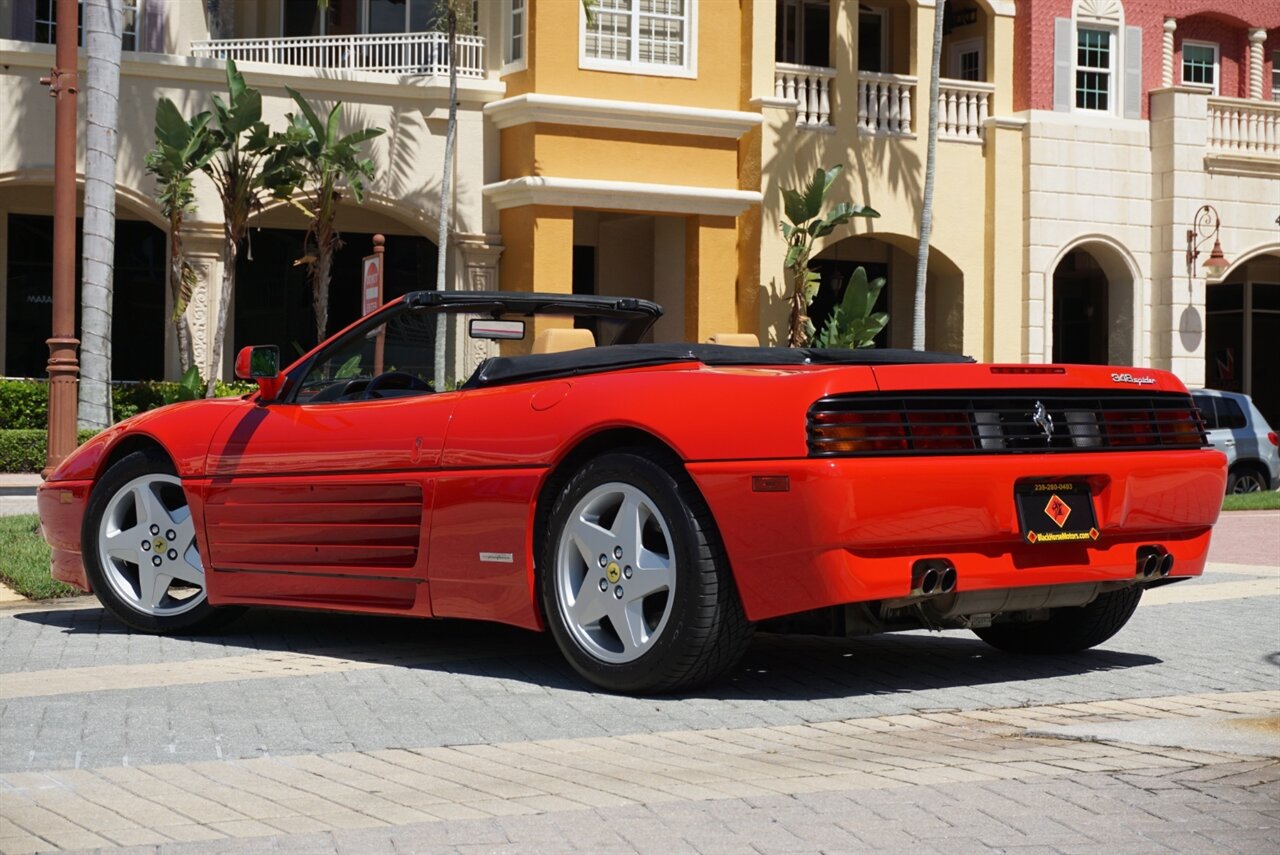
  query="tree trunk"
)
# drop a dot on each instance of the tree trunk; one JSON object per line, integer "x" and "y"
{"x": 320, "y": 284}
{"x": 179, "y": 318}
{"x": 446, "y": 196}
{"x": 926, "y": 208}
{"x": 229, "y": 250}
{"x": 103, "y": 20}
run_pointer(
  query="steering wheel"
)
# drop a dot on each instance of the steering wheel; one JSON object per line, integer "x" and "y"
{"x": 394, "y": 380}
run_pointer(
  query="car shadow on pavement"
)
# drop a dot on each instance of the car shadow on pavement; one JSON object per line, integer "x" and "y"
{"x": 775, "y": 667}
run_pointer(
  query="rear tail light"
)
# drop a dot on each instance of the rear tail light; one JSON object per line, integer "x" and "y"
{"x": 850, "y": 433}
{"x": 940, "y": 431}
{"x": 1126, "y": 427}
{"x": 1271, "y": 437}
{"x": 1179, "y": 427}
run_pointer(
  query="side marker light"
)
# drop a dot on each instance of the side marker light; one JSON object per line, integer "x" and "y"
{"x": 770, "y": 483}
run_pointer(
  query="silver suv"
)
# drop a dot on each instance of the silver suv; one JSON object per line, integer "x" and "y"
{"x": 1237, "y": 429}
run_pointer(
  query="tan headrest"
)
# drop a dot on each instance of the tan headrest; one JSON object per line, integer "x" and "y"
{"x": 736, "y": 339}
{"x": 560, "y": 340}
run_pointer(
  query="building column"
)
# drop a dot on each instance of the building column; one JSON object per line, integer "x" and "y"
{"x": 1003, "y": 285}
{"x": 711, "y": 273}
{"x": 1166, "y": 53}
{"x": 203, "y": 248}
{"x": 480, "y": 265}
{"x": 538, "y": 257}
{"x": 1256, "y": 38}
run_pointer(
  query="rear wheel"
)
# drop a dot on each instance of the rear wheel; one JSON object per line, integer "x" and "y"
{"x": 1068, "y": 629}
{"x": 635, "y": 584}
{"x": 140, "y": 552}
{"x": 1246, "y": 479}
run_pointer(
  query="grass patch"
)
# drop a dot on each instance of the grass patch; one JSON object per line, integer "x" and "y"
{"x": 1267, "y": 500}
{"x": 24, "y": 559}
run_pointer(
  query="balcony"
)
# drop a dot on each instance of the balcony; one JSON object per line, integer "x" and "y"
{"x": 388, "y": 53}
{"x": 1244, "y": 128}
{"x": 884, "y": 102}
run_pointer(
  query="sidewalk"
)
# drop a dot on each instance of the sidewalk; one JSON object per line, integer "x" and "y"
{"x": 18, "y": 493}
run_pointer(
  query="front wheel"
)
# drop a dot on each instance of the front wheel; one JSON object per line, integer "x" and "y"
{"x": 635, "y": 584}
{"x": 140, "y": 552}
{"x": 1068, "y": 629}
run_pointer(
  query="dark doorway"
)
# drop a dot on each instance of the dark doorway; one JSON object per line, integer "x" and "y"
{"x": 1080, "y": 310}
{"x": 835, "y": 277}
{"x": 273, "y": 297}
{"x": 138, "y": 322}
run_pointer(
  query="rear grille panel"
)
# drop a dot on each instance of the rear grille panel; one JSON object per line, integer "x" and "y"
{"x": 1001, "y": 422}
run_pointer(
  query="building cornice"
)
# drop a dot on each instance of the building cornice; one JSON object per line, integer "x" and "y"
{"x": 620, "y": 196}
{"x": 624, "y": 115}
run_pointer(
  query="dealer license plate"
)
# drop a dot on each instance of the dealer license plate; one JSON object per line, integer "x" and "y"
{"x": 1056, "y": 512}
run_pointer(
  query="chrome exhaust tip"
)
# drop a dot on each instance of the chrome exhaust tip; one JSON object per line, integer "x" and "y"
{"x": 1166, "y": 564}
{"x": 947, "y": 581}
{"x": 929, "y": 581}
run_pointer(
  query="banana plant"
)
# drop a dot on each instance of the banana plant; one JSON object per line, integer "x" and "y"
{"x": 806, "y": 226}
{"x": 324, "y": 165}
{"x": 852, "y": 322}
{"x": 182, "y": 148}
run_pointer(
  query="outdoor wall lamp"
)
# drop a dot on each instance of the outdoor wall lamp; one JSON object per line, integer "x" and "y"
{"x": 1205, "y": 225}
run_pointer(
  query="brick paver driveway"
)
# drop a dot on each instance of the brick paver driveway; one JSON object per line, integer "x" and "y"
{"x": 332, "y": 733}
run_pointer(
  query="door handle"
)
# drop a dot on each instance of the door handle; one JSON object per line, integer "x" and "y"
{"x": 1230, "y": 443}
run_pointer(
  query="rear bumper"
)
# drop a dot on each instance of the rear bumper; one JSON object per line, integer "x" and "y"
{"x": 61, "y": 505}
{"x": 848, "y": 530}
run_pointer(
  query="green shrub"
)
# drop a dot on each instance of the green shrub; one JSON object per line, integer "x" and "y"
{"x": 24, "y": 404}
{"x": 25, "y": 450}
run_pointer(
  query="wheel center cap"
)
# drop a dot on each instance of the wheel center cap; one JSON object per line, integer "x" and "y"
{"x": 159, "y": 544}
{"x": 613, "y": 572}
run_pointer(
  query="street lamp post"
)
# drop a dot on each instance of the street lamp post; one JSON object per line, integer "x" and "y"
{"x": 64, "y": 368}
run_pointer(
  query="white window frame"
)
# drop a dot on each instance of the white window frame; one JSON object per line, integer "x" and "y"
{"x": 134, "y": 6}
{"x": 1217, "y": 64}
{"x": 510, "y": 66}
{"x": 1114, "y": 70}
{"x": 959, "y": 49}
{"x": 688, "y": 70}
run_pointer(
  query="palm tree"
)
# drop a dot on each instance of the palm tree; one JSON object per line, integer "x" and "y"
{"x": 103, "y": 33}
{"x": 182, "y": 148}
{"x": 324, "y": 160}
{"x": 930, "y": 170}
{"x": 247, "y": 168}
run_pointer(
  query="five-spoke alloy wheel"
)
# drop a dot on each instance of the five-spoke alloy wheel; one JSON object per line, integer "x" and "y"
{"x": 140, "y": 549}
{"x": 635, "y": 583}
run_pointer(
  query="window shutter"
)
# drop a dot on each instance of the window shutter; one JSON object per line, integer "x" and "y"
{"x": 1062, "y": 64}
{"x": 1133, "y": 72}
{"x": 153, "y": 26}
{"x": 24, "y": 20}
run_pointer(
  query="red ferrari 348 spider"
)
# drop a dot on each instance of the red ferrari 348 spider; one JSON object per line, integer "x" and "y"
{"x": 648, "y": 503}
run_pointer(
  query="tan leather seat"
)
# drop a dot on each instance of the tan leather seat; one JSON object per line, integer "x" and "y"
{"x": 560, "y": 340}
{"x": 736, "y": 339}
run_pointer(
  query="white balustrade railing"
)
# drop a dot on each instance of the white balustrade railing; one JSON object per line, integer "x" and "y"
{"x": 963, "y": 107}
{"x": 884, "y": 103}
{"x": 809, "y": 86}
{"x": 393, "y": 53}
{"x": 1238, "y": 126}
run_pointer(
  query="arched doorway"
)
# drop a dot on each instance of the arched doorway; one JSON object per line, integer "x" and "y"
{"x": 1242, "y": 327}
{"x": 894, "y": 257}
{"x": 1093, "y": 315}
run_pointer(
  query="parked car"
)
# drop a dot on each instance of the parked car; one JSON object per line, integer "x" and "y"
{"x": 1238, "y": 430}
{"x": 649, "y": 504}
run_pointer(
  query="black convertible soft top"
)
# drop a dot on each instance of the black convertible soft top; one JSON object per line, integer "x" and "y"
{"x": 544, "y": 366}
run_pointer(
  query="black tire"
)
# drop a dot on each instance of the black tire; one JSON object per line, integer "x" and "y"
{"x": 1068, "y": 629}
{"x": 1246, "y": 478}
{"x": 702, "y": 634}
{"x": 183, "y": 606}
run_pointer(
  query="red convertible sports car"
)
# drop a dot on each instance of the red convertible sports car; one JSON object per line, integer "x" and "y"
{"x": 649, "y": 504}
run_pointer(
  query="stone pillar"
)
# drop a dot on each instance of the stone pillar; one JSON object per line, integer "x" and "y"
{"x": 203, "y": 248}
{"x": 538, "y": 257}
{"x": 480, "y": 273}
{"x": 1166, "y": 55}
{"x": 1256, "y": 38}
{"x": 711, "y": 270}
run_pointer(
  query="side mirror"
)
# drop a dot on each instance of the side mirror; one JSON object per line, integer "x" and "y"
{"x": 261, "y": 363}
